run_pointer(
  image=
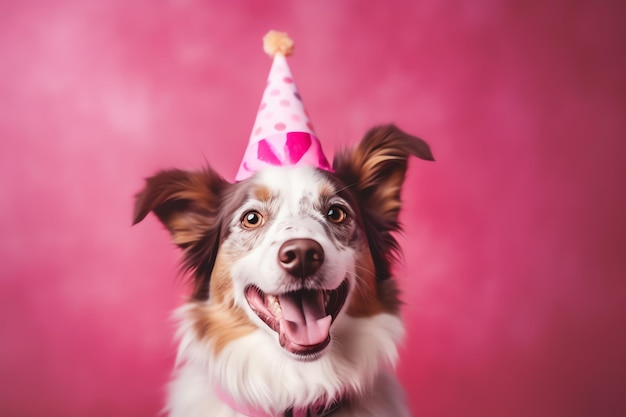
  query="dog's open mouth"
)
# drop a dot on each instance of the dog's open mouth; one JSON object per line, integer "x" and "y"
{"x": 302, "y": 318}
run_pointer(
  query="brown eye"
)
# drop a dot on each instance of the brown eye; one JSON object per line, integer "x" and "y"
{"x": 336, "y": 214}
{"x": 252, "y": 219}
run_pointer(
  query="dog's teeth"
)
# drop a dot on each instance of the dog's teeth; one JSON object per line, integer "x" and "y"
{"x": 272, "y": 303}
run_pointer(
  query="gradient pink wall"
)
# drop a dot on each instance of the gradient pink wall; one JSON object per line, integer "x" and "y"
{"x": 514, "y": 272}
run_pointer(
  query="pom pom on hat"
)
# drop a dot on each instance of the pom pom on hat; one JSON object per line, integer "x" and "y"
{"x": 275, "y": 42}
{"x": 283, "y": 133}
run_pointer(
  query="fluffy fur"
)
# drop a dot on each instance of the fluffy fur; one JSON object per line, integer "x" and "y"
{"x": 238, "y": 350}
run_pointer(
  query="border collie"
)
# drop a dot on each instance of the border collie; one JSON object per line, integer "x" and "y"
{"x": 294, "y": 310}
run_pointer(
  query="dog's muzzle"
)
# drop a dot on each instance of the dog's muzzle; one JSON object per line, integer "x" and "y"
{"x": 301, "y": 318}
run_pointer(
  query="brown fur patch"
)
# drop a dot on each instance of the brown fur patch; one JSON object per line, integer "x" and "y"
{"x": 377, "y": 167}
{"x": 389, "y": 295}
{"x": 384, "y": 190}
{"x": 327, "y": 190}
{"x": 183, "y": 229}
{"x": 220, "y": 321}
{"x": 262, "y": 193}
{"x": 220, "y": 325}
{"x": 388, "y": 195}
{"x": 365, "y": 301}
{"x": 185, "y": 202}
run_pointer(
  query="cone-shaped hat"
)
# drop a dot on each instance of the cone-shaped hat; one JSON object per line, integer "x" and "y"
{"x": 282, "y": 133}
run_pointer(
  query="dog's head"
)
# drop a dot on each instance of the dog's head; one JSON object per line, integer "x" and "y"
{"x": 291, "y": 249}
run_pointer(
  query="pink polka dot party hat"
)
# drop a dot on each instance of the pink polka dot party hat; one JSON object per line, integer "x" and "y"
{"x": 282, "y": 133}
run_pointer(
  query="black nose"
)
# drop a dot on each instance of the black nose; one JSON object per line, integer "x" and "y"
{"x": 301, "y": 257}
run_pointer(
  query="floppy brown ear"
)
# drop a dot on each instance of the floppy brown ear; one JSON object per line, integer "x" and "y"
{"x": 374, "y": 172}
{"x": 187, "y": 203}
{"x": 377, "y": 167}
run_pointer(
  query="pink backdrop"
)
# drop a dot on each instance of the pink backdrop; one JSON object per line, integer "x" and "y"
{"x": 514, "y": 273}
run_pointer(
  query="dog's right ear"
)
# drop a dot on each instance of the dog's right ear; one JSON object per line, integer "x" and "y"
{"x": 186, "y": 203}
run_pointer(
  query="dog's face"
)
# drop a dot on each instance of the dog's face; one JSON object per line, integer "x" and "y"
{"x": 291, "y": 249}
{"x": 294, "y": 245}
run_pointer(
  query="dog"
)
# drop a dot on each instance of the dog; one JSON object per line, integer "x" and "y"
{"x": 294, "y": 310}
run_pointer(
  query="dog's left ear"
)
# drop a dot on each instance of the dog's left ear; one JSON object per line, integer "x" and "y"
{"x": 377, "y": 167}
{"x": 374, "y": 172}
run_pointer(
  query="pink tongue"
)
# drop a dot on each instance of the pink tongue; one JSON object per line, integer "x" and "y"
{"x": 305, "y": 321}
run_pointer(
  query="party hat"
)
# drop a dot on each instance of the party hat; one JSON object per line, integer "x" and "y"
{"x": 282, "y": 133}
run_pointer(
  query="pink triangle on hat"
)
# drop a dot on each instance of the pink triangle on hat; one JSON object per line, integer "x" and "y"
{"x": 282, "y": 133}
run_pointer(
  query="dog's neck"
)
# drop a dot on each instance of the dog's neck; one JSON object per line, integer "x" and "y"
{"x": 317, "y": 409}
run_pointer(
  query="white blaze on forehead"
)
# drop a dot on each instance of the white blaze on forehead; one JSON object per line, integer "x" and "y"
{"x": 293, "y": 184}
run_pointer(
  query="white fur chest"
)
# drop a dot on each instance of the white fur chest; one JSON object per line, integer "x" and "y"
{"x": 254, "y": 371}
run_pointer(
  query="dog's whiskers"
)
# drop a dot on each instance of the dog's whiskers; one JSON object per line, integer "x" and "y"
{"x": 360, "y": 286}
{"x": 346, "y": 187}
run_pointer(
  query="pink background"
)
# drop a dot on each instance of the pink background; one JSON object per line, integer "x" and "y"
{"x": 514, "y": 271}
